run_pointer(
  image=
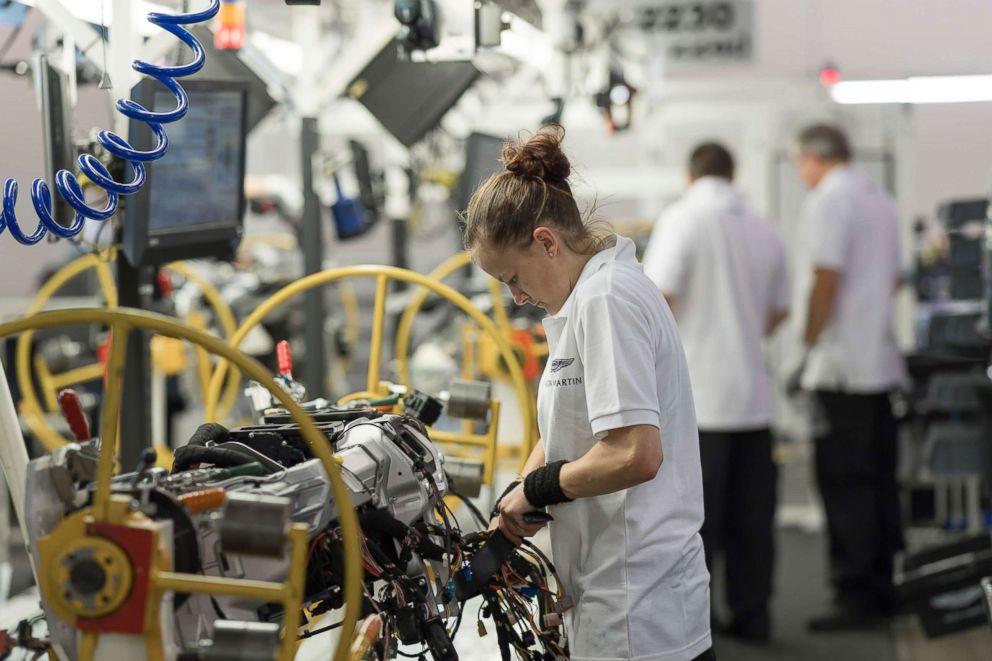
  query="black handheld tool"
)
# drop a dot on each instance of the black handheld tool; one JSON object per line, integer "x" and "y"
{"x": 537, "y": 516}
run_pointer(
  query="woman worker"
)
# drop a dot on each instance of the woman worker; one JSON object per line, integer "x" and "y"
{"x": 618, "y": 463}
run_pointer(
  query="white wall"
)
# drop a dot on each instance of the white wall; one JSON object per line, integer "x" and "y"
{"x": 866, "y": 38}
{"x": 944, "y": 146}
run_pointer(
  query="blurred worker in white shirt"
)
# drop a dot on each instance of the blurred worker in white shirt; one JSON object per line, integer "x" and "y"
{"x": 723, "y": 270}
{"x": 848, "y": 269}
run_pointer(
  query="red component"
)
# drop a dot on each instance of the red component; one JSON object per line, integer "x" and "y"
{"x": 204, "y": 500}
{"x": 230, "y": 33}
{"x": 164, "y": 282}
{"x": 229, "y": 38}
{"x": 829, "y": 76}
{"x": 525, "y": 342}
{"x": 284, "y": 359}
{"x": 139, "y": 546}
{"x": 74, "y": 415}
{"x": 103, "y": 353}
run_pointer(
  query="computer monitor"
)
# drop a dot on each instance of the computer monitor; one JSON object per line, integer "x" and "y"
{"x": 410, "y": 98}
{"x": 193, "y": 203}
{"x": 956, "y": 213}
{"x": 482, "y": 154}
{"x": 56, "y": 116}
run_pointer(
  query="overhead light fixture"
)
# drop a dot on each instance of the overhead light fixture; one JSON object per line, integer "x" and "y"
{"x": 920, "y": 89}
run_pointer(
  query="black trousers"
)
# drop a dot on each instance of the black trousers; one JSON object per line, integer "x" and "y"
{"x": 739, "y": 496}
{"x": 708, "y": 655}
{"x": 856, "y": 458}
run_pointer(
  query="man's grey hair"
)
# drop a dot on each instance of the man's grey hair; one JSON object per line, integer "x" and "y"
{"x": 825, "y": 142}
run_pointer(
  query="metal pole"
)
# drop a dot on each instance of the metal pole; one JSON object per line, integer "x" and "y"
{"x": 136, "y": 426}
{"x": 315, "y": 365}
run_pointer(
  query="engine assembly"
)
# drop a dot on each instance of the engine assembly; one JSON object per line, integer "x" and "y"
{"x": 228, "y": 504}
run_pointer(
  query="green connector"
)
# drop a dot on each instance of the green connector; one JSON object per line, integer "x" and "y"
{"x": 244, "y": 470}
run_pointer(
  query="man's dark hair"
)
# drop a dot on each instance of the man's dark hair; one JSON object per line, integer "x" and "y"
{"x": 825, "y": 142}
{"x": 711, "y": 159}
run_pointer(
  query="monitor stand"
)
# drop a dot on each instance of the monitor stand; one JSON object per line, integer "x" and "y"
{"x": 135, "y": 426}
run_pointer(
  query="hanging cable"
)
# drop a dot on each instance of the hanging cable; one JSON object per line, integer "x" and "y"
{"x": 66, "y": 182}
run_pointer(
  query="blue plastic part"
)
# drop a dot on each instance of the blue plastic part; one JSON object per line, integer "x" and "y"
{"x": 67, "y": 184}
{"x": 349, "y": 215}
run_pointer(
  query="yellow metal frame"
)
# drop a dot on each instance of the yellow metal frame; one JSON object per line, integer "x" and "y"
{"x": 349, "y": 299}
{"x": 374, "y": 385}
{"x": 488, "y": 441}
{"x": 470, "y": 344}
{"x": 32, "y": 409}
{"x": 108, "y": 508}
{"x": 228, "y": 324}
{"x": 401, "y": 347}
{"x": 69, "y": 537}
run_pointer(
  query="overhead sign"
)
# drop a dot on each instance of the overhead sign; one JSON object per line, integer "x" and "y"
{"x": 700, "y": 31}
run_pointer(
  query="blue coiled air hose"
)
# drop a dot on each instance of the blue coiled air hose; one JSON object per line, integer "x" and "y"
{"x": 67, "y": 183}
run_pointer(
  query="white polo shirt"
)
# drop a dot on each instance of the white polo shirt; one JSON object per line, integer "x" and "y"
{"x": 632, "y": 560}
{"x": 728, "y": 269}
{"x": 849, "y": 224}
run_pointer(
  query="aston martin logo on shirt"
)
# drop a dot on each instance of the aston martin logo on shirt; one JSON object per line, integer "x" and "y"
{"x": 558, "y": 364}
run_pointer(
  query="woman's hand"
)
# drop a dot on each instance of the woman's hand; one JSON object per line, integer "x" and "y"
{"x": 511, "y": 511}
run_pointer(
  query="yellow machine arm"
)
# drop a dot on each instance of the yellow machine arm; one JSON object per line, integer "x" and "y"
{"x": 97, "y": 529}
{"x": 374, "y": 386}
{"x": 32, "y": 408}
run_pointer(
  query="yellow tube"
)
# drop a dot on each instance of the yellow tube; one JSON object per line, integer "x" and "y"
{"x": 317, "y": 442}
{"x": 401, "y": 349}
{"x": 110, "y": 417}
{"x": 460, "y": 438}
{"x": 228, "y": 324}
{"x": 105, "y": 278}
{"x": 378, "y": 323}
{"x": 22, "y": 359}
{"x": 83, "y": 374}
{"x": 499, "y": 310}
{"x": 225, "y": 587}
{"x": 224, "y": 315}
{"x": 352, "y": 313}
{"x": 295, "y": 589}
{"x": 332, "y": 275}
{"x": 87, "y": 646}
{"x": 441, "y": 272}
{"x": 469, "y": 339}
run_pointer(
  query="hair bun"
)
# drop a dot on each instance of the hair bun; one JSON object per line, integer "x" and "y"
{"x": 541, "y": 156}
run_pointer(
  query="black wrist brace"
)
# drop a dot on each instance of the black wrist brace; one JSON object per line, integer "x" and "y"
{"x": 495, "y": 511}
{"x": 542, "y": 486}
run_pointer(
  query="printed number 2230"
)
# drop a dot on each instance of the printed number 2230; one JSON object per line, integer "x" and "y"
{"x": 689, "y": 17}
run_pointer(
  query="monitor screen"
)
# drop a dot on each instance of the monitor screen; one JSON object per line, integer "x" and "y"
{"x": 482, "y": 160}
{"x": 192, "y": 204}
{"x": 955, "y": 213}
{"x": 60, "y": 151}
{"x": 410, "y": 98}
{"x": 199, "y": 181}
